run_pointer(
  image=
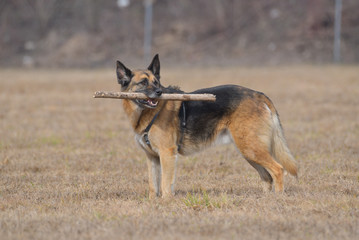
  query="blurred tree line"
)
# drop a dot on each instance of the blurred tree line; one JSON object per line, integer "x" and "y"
{"x": 90, "y": 33}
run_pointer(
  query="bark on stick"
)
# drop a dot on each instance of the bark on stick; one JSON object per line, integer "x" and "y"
{"x": 164, "y": 96}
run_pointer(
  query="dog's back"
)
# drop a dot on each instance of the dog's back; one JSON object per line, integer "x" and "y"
{"x": 246, "y": 117}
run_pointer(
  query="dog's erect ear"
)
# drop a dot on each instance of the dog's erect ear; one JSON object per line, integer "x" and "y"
{"x": 155, "y": 66}
{"x": 123, "y": 74}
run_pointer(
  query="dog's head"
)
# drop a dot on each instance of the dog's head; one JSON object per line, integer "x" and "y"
{"x": 143, "y": 81}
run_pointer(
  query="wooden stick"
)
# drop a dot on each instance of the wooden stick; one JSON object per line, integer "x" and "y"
{"x": 164, "y": 96}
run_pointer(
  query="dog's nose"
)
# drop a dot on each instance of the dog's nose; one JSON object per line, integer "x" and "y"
{"x": 158, "y": 92}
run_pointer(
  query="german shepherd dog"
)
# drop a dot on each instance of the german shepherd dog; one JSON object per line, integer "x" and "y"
{"x": 165, "y": 129}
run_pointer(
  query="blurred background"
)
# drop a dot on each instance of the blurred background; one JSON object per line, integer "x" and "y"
{"x": 90, "y": 33}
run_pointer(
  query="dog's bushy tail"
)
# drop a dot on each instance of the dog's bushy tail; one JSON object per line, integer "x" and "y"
{"x": 279, "y": 148}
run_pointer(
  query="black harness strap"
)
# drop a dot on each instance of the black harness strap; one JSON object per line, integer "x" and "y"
{"x": 182, "y": 126}
{"x": 147, "y": 129}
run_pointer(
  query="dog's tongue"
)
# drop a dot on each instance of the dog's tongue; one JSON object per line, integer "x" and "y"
{"x": 152, "y": 101}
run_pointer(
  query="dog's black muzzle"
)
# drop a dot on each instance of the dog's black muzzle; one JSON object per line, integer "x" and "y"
{"x": 152, "y": 94}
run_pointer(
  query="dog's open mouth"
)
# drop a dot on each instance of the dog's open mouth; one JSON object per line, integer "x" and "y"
{"x": 151, "y": 103}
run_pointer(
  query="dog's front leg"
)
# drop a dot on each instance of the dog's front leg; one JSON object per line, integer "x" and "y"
{"x": 168, "y": 159}
{"x": 154, "y": 175}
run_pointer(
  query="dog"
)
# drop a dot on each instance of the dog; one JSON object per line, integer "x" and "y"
{"x": 165, "y": 128}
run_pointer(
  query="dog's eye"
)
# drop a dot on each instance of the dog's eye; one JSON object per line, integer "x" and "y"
{"x": 144, "y": 82}
{"x": 156, "y": 83}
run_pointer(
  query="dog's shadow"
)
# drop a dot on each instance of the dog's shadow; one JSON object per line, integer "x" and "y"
{"x": 213, "y": 192}
{"x": 242, "y": 191}
{"x": 217, "y": 192}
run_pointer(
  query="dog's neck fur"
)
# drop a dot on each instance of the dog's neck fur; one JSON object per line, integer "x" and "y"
{"x": 139, "y": 117}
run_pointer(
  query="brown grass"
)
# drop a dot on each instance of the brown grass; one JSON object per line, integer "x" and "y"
{"x": 69, "y": 167}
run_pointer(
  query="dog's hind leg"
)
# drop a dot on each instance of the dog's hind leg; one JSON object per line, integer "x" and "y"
{"x": 255, "y": 150}
{"x": 154, "y": 175}
{"x": 264, "y": 174}
{"x": 260, "y": 158}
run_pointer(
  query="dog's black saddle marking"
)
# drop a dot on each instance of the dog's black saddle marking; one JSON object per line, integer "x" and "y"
{"x": 182, "y": 126}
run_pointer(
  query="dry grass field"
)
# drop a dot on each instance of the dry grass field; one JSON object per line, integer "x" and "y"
{"x": 70, "y": 168}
